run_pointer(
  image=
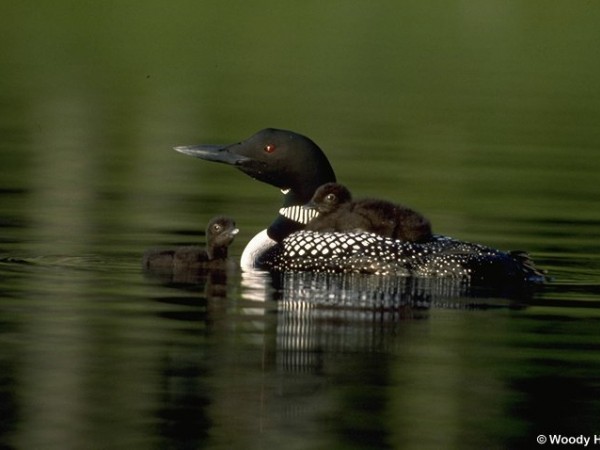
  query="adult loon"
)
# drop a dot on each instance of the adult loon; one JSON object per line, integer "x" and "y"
{"x": 297, "y": 166}
{"x": 220, "y": 232}
{"x": 338, "y": 212}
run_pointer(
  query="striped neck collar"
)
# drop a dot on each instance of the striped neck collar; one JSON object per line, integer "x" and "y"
{"x": 298, "y": 213}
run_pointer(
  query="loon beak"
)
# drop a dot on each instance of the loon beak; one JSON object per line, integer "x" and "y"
{"x": 217, "y": 153}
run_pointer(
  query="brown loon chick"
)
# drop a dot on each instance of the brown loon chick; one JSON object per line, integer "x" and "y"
{"x": 338, "y": 212}
{"x": 220, "y": 233}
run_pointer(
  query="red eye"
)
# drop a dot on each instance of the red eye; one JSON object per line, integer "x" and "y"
{"x": 269, "y": 148}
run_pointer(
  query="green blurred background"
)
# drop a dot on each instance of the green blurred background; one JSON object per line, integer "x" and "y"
{"x": 466, "y": 108}
{"x": 482, "y": 114}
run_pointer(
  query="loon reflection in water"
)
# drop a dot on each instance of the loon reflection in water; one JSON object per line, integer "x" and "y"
{"x": 297, "y": 166}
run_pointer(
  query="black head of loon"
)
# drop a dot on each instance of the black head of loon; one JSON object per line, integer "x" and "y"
{"x": 284, "y": 159}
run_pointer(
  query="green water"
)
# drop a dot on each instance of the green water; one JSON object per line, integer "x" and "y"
{"x": 482, "y": 115}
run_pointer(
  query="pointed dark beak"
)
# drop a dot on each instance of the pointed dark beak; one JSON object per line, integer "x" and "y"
{"x": 218, "y": 153}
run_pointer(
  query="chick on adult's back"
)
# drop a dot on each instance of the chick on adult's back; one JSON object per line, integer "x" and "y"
{"x": 338, "y": 212}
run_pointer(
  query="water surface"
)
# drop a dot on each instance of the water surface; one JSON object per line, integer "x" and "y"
{"x": 483, "y": 116}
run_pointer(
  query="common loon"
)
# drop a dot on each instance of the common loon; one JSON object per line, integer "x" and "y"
{"x": 297, "y": 166}
{"x": 220, "y": 233}
{"x": 338, "y": 212}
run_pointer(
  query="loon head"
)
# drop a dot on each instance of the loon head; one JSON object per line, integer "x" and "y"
{"x": 284, "y": 159}
{"x": 329, "y": 197}
{"x": 220, "y": 232}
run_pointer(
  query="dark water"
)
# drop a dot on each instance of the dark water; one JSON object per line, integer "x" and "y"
{"x": 483, "y": 115}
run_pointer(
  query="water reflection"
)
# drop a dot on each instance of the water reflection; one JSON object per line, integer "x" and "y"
{"x": 213, "y": 282}
{"x": 304, "y": 315}
{"x": 182, "y": 408}
{"x": 375, "y": 294}
{"x": 253, "y": 360}
{"x": 316, "y": 360}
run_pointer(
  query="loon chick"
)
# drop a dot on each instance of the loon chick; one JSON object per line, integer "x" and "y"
{"x": 297, "y": 166}
{"x": 220, "y": 233}
{"x": 338, "y": 212}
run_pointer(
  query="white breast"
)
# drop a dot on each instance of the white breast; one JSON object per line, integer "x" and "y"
{"x": 257, "y": 246}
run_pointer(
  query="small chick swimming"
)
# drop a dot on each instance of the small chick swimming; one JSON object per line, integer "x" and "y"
{"x": 220, "y": 233}
{"x": 338, "y": 212}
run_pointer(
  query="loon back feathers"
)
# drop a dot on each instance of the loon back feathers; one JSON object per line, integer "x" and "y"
{"x": 369, "y": 253}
